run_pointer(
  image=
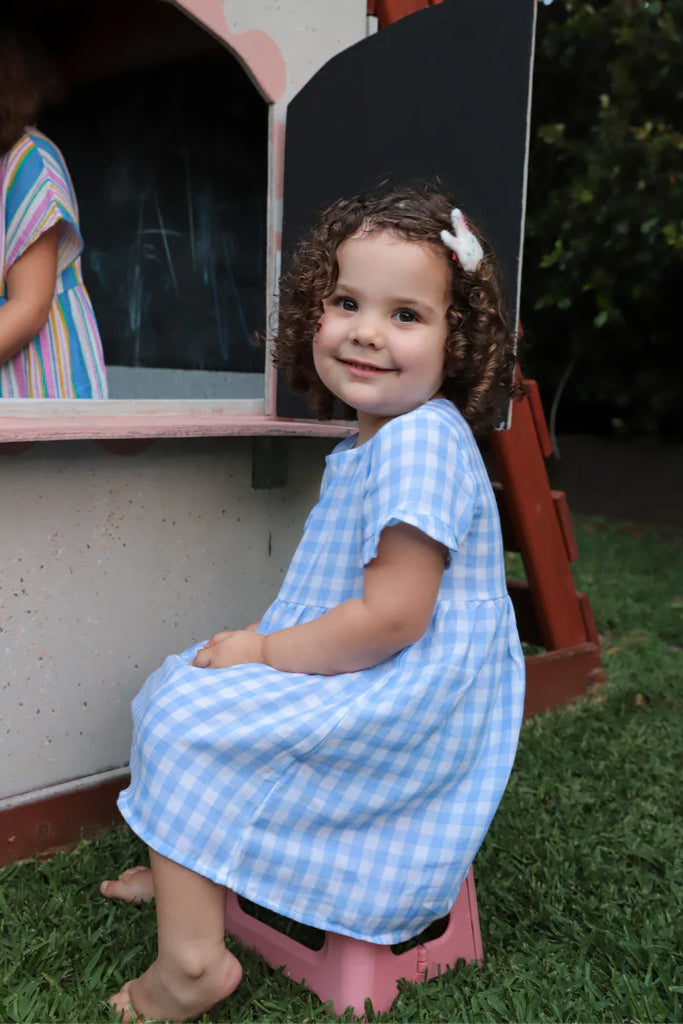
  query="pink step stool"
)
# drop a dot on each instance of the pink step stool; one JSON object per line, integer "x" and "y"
{"x": 348, "y": 971}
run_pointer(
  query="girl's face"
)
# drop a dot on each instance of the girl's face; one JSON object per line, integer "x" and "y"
{"x": 381, "y": 343}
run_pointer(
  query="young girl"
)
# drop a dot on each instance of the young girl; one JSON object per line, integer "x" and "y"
{"x": 340, "y": 761}
{"x": 49, "y": 342}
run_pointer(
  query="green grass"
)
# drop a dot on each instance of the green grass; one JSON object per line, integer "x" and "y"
{"x": 579, "y": 878}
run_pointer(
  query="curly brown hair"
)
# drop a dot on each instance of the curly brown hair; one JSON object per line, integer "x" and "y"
{"x": 28, "y": 82}
{"x": 479, "y": 351}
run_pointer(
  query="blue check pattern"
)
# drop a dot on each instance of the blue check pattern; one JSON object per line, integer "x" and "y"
{"x": 354, "y": 803}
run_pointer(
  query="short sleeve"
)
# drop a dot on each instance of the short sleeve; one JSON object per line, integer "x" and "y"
{"x": 420, "y": 474}
{"x": 39, "y": 195}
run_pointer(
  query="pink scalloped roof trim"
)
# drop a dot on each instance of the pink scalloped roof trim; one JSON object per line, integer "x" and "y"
{"x": 256, "y": 49}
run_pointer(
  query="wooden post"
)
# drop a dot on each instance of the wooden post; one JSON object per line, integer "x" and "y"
{"x": 536, "y": 523}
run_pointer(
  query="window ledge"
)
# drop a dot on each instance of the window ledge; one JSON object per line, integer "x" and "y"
{"x": 105, "y": 420}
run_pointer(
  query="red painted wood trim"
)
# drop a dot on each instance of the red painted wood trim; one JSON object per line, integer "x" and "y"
{"x": 510, "y": 541}
{"x": 587, "y": 612}
{"x": 565, "y": 519}
{"x": 506, "y": 526}
{"x": 525, "y": 613}
{"x": 534, "y": 396}
{"x": 58, "y": 822}
{"x": 389, "y": 11}
{"x": 557, "y": 677}
{"x": 537, "y": 529}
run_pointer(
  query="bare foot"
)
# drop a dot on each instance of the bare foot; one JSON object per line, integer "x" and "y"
{"x": 135, "y": 885}
{"x": 122, "y": 1002}
{"x": 160, "y": 995}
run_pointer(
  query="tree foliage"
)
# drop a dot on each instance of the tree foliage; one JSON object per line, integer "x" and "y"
{"x": 604, "y": 236}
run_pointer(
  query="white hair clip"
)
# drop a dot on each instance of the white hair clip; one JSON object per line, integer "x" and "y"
{"x": 466, "y": 248}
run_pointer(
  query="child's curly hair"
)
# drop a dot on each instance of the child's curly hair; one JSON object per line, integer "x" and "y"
{"x": 479, "y": 360}
{"x": 28, "y": 81}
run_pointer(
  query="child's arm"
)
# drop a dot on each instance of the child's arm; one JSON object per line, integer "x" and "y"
{"x": 30, "y": 290}
{"x": 399, "y": 593}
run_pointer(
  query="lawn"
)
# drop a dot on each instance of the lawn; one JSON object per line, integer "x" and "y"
{"x": 579, "y": 879}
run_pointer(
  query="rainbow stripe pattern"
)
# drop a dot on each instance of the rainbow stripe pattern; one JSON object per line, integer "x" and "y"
{"x": 65, "y": 359}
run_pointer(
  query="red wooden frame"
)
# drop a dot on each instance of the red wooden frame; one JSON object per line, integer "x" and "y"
{"x": 536, "y": 522}
{"x": 389, "y": 11}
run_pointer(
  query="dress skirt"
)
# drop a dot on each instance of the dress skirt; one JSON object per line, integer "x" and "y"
{"x": 354, "y": 802}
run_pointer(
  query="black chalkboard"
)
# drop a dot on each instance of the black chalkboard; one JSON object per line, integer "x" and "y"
{"x": 441, "y": 93}
{"x": 169, "y": 164}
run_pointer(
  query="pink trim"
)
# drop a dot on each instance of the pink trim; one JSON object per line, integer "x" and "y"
{"x": 271, "y": 391}
{"x": 72, "y": 428}
{"x": 279, "y": 158}
{"x": 260, "y": 54}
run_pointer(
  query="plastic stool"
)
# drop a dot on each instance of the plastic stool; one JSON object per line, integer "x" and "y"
{"x": 348, "y": 971}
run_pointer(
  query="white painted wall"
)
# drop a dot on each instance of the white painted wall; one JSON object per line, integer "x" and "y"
{"x": 110, "y": 562}
{"x": 307, "y": 34}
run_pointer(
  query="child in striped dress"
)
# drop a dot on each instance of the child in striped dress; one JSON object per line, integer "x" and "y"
{"x": 49, "y": 341}
{"x": 340, "y": 761}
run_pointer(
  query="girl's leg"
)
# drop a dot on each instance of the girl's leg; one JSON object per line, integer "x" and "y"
{"x": 134, "y": 885}
{"x": 193, "y": 970}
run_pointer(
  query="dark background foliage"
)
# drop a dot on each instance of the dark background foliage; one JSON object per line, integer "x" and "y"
{"x": 604, "y": 234}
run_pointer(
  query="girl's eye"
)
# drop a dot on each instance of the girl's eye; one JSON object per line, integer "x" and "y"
{"x": 406, "y": 316}
{"x": 348, "y": 305}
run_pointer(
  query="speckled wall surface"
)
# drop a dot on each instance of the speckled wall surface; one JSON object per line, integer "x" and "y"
{"x": 109, "y": 562}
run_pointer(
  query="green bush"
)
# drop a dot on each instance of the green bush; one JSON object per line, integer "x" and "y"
{"x": 604, "y": 233}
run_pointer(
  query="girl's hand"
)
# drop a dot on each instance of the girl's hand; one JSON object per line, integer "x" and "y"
{"x": 235, "y": 647}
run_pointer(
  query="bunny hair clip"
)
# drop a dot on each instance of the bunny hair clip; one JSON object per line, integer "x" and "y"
{"x": 465, "y": 246}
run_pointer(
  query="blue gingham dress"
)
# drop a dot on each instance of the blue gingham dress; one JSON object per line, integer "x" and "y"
{"x": 355, "y": 802}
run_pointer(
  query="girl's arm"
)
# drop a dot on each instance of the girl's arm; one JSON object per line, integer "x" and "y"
{"x": 30, "y": 290}
{"x": 399, "y": 593}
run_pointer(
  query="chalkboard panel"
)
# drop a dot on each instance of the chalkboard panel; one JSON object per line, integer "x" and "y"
{"x": 443, "y": 92}
{"x": 170, "y": 169}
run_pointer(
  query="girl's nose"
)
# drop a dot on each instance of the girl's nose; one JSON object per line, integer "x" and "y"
{"x": 367, "y": 330}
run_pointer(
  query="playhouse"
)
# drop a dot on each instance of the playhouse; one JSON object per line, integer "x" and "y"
{"x": 202, "y": 135}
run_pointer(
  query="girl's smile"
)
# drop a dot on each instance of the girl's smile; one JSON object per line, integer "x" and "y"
{"x": 364, "y": 369}
{"x": 381, "y": 342}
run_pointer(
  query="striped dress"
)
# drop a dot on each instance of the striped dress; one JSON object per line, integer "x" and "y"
{"x": 65, "y": 358}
